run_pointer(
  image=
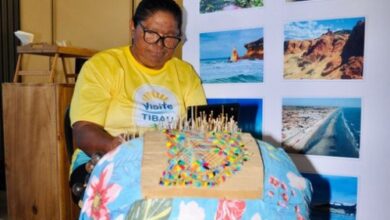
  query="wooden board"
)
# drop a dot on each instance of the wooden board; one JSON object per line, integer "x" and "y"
{"x": 37, "y": 166}
{"x": 245, "y": 184}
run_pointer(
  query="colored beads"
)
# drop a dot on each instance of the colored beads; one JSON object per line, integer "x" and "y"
{"x": 202, "y": 159}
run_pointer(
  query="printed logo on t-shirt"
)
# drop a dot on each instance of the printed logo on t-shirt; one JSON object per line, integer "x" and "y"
{"x": 156, "y": 105}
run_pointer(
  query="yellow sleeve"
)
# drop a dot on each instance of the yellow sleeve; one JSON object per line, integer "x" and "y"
{"x": 93, "y": 91}
{"x": 194, "y": 94}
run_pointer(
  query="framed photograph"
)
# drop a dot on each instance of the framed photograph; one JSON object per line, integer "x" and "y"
{"x": 232, "y": 56}
{"x": 207, "y": 6}
{"x": 324, "y": 49}
{"x": 322, "y": 126}
{"x": 334, "y": 197}
{"x": 250, "y": 114}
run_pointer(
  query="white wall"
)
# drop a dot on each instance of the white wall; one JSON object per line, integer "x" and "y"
{"x": 371, "y": 168}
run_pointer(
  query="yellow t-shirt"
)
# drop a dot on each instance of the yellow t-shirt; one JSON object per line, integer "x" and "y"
{"x": 120, "y": 94}
{"x": 116, "y": 91}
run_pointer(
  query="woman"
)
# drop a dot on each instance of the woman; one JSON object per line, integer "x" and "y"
{"x": 143, "y": 86}
{"x": 125, "y": 89}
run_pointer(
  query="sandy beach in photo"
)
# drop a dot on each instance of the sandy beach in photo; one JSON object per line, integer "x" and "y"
{"x": 335, "y": 138}
{"x": 325, "y": 143}
{"x": 300, "y": 124}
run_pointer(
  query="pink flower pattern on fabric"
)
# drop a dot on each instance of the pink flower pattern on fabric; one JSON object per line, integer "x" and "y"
{"x": 99, "y": 194}
{"x": 230, "y": 209}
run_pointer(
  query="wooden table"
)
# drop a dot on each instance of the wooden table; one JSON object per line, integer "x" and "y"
{"x": 57, "y": 52}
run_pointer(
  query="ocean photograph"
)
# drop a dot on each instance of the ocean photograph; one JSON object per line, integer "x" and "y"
{"x": 208, "y": 6}
{"x": 334, "y": 197}
{"x": 322, "y": 126}
{"x": 232, "y": 56}
{"x": 250, "y": 115}
{"x": 324, "y": 49}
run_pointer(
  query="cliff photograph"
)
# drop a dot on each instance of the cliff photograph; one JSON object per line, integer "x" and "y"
{"x": 324, "y": 49}
{"x": 234, "y": 56}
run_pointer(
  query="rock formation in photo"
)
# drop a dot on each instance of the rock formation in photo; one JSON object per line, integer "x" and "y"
{"x": 254, "y": 50}
{"x": 333, "y": 55}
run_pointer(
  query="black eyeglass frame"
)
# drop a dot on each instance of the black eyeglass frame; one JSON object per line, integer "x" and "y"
{"x": 162, "y": 38}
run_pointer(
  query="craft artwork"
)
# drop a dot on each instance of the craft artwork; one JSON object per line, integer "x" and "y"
{"x": 208, "y": 159}
{"x": 202, "y": 159}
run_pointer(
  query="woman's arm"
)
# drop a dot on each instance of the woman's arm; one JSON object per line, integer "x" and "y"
{"x": 92, "y": 138}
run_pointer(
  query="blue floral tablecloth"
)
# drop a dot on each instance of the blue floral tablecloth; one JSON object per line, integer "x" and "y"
{"x": 114, "y": 192}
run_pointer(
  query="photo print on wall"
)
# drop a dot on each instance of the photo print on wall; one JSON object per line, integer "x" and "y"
{"x": 324, "y": 49}
{"x": 297, "y": 0}
{"x": 334, "y": 197}
{"x": 322, "y": 126}
{"x": 232, "y": 56}
{"x": 250, "y": 115}
{"x": 208, "y": 6}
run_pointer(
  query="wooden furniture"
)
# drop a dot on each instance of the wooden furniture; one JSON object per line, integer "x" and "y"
{"x": 57, "y": 52}
{"x": 37, "y": 165}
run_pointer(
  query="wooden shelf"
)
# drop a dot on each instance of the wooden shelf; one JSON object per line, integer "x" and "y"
{"x": 50, "y": 50}
{"x": 57, "y": 52}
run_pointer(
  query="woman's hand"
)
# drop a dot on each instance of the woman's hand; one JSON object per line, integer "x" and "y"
{"x": 93, "y": 139}
{"x": 116, "y": 142}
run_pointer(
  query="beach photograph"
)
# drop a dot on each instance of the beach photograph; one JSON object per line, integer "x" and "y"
{"x": 334, "y": 197}
{"x": 250, "y": 114}
{"x": 324, "y": 49}
{"x": 297, "y": 0}
{"x": 208, "y": 6}
{"x": 235, "y": 56}
{"x": 322, "y": 126}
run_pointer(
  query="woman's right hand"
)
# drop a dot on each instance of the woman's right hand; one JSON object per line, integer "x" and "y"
{"x": 93, "y": 139}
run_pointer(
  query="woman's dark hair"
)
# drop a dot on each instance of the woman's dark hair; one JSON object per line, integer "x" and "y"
{"x": 147, "y": 8}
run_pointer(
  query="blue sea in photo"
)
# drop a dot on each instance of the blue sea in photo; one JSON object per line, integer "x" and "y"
{"x": 220, "y": 70}
{"x": 334, "y": 197}
{"x": 336, "y": 134}
{"x": 344, "y": 138}
{"x": 331, "y": 216}
{"x": 352, "y": 118}
{"x": 216, "y": 48}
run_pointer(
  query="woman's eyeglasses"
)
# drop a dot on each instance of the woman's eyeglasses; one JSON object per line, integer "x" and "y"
{"x": 152, "y": 37}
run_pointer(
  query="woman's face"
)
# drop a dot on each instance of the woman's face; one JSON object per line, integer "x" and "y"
{"x": 154, "y": 55}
